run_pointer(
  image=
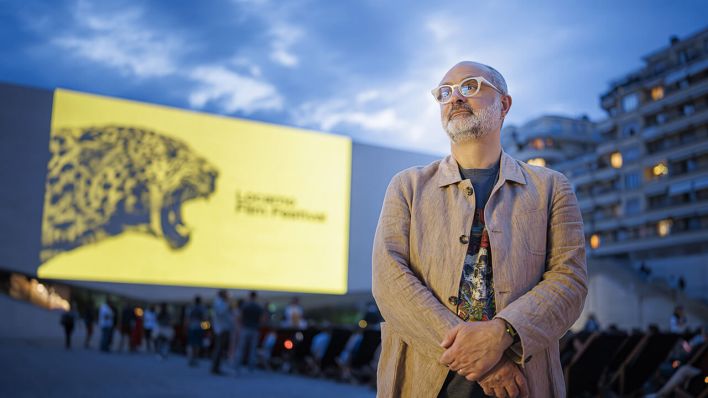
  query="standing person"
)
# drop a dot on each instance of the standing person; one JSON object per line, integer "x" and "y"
{"x": 252, "y": 317}
{"x": 678, "y": 322}
{"x": 196, "y": 314}
{"x": 106, "y": 323}
{"x": 89, "y": 319}
{"x": 150, "y": 325}
{"x": 68, "y": 319}
{"x": 222, "y": 324}
{"x": 165, "y": 332}
{"x": 294, "y": 315}
{"x": 478, "y": 260}
{"x": 127, "y": 322}
{"x": 591, "y": 325}
{"x": 236, "y": 334}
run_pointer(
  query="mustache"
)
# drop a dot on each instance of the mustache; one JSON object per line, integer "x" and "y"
{"x": 460, "y": 107}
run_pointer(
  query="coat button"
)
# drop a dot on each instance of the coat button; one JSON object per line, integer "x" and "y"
{"x": 452, "y": 300}
{"x": 469, "y": 191}
{"x": 464, "y": 239}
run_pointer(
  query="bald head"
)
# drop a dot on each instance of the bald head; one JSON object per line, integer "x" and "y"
{"x": 469, "y": 118}
{"x": 479, "y": 69}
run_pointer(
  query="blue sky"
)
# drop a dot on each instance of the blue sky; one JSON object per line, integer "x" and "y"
{"x": 357, "y": 68}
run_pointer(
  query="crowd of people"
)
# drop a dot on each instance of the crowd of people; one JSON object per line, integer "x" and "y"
{"x": 241, "y": 333}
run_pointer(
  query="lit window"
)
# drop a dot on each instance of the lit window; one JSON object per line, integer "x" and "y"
{"x": 616, "y": 160}
{"x": 660, "y": 169}
{"x": 537, "y": 143}
{"x": 537, "y": 162}
{"x": 657, "y": 93}
{"x": 595, "y": 241}
{"x": 663, "y": 227}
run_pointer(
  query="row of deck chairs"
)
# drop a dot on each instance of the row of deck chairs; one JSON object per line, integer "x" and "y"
{"x": 620, "y": 364}
{"x": 291, "y": 352}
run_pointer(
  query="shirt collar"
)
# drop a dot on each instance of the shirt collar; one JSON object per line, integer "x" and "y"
{"x": 449, "y": 171}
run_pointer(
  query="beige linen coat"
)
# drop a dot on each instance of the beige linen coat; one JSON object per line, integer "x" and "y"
{"x": 538, "y": 260}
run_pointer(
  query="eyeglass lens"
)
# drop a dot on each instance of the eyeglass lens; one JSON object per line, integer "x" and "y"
{"x": 468, "y": 88}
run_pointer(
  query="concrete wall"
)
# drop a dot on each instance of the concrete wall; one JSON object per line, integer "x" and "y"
{"x": 22, "y": 319}
{"x": 619, "y": 295}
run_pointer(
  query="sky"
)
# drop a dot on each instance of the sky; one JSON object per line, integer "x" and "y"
{"x": 363, "y": 69}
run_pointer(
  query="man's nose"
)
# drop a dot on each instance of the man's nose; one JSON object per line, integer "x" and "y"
{"x": 457, "y": 96}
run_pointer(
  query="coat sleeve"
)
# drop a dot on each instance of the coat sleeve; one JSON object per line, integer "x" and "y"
{"x": 542, "y": 315}
{"x": 408, "y": 306}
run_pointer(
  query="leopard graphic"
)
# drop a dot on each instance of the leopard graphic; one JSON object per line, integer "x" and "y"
{"x": 104, "y": 180}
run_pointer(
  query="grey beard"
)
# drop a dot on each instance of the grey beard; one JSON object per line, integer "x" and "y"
{"x": 474, "y": 126}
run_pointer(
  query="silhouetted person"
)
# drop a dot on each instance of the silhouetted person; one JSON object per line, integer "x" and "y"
{"x": 222, "y": 323}
{"x": 150, "y": 325}
{"x": 127, "y": 322}
{"x": 591, "y": 325}
{"x": 68, "y": 320}
{"x": 251, "y": 319}
{"x": 89, "y": 319}
{"x": 165, "y": 331}
{"x": 196, "y": 314}
{"x": 106, "y": 323}
{"x": 294, "y": 315}
{"x": 678, "y": 321}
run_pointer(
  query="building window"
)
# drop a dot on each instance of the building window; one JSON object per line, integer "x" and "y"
{"x": 657, "y": 93}
{"x": 632, "y": 153}
{"x": 537, "y": 162}
{"x": 595, "y": 241}
{"x": 688, "y": 109}
{"x": 663, "y": 227}
{"x": 630, "y": 102}
{"x": 537, "y": 143}
{"x": 632, "y": 180}
{"x": 616, "y": 160}
{"x": 660, "y": 169}
{"x": 683, "y": 57}
{"x": 632, "y": 206}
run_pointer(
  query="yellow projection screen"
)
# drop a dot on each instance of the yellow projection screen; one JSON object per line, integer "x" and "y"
{"x": 139, "y": 193}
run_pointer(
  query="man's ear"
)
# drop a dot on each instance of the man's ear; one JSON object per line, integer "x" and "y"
{"x": 506, "y": 105}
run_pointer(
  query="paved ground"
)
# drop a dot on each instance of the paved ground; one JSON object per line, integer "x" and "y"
{"x": 43, "y": 368}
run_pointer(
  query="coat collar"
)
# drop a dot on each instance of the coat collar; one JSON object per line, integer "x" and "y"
{"x": 449, "y": 171}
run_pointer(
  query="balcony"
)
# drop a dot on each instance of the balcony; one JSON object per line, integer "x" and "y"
{"x": 679, "y": 123}
{"x": 676, "y": 98}
{"x": 652, "y": 243}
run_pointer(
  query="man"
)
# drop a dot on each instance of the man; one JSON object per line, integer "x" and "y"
{"x": 478, "y": 261}
{"x": 252, "y": 317}
{"x": 195, "y": 316}
{"x": 294, "y": 315}
{"x": 106, "y": 323}
{"x": 222, "y": 323}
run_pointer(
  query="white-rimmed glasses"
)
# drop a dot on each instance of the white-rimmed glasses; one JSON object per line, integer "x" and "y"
{"x": 468, "y": 88}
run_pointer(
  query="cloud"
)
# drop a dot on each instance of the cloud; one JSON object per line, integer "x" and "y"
{"x": 404, "y": 118}
{"x": 400, "y": 111}
{"x": 283, "y": 37}
{"x": 232, "y": 92}
{"x": 123, "y": 39}
{"x": 119, "y": 41}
